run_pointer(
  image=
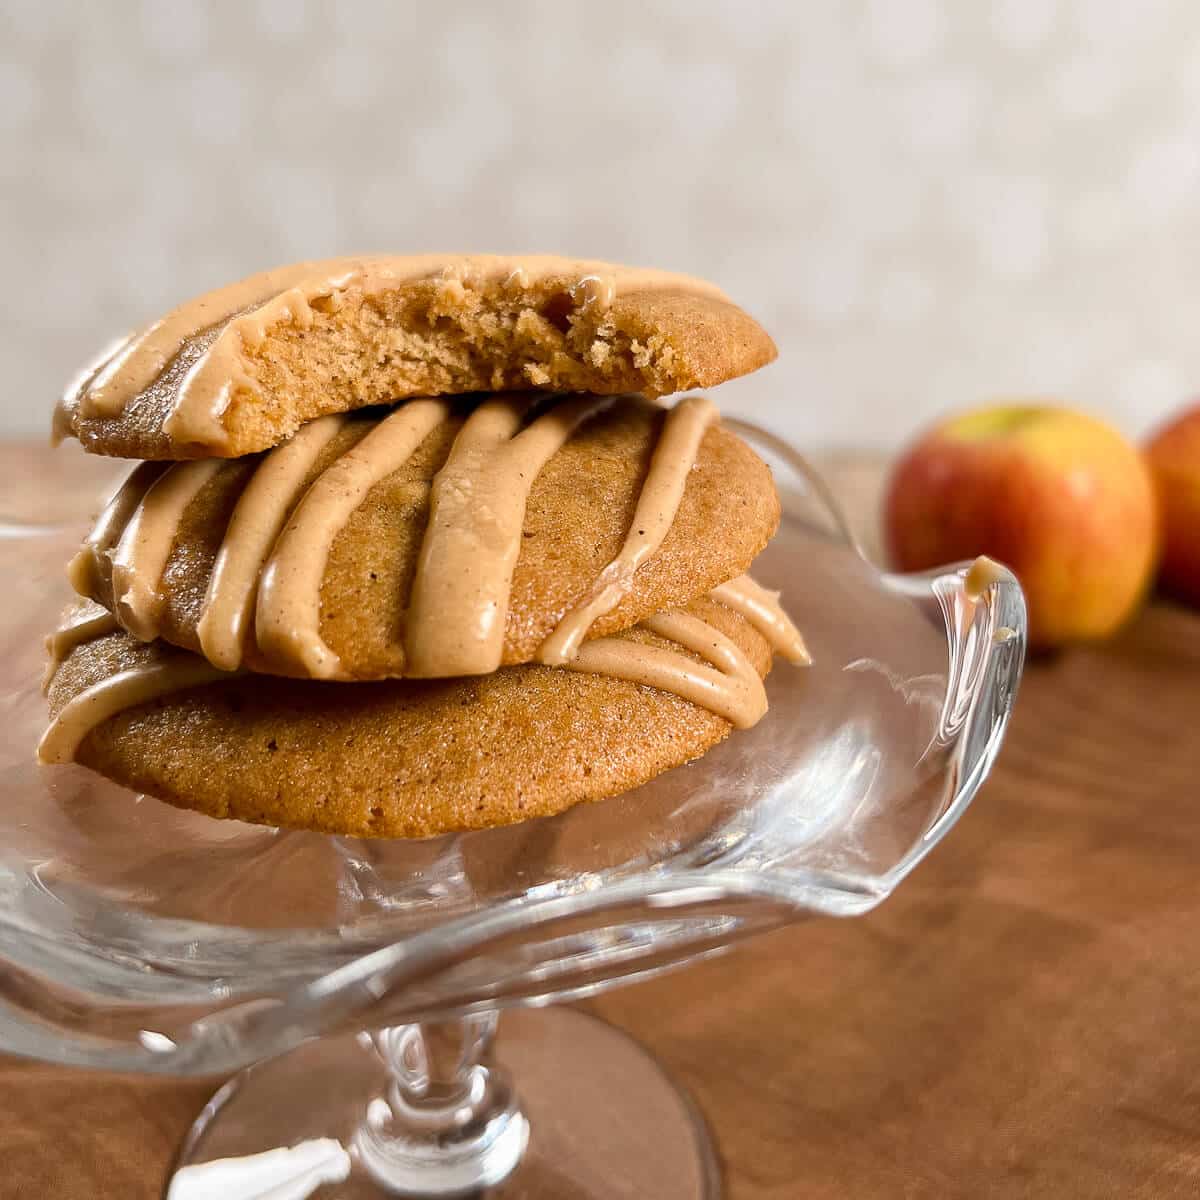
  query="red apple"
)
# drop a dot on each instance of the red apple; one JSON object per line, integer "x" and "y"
{"x": 1061, "y": 498}
{"x": 1174, "y": 457}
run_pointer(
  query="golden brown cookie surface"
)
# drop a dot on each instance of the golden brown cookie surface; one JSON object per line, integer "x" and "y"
{"x": 579, "y": 510}
{"x": 239, "y": 370}
{"x": 400, "y": 758}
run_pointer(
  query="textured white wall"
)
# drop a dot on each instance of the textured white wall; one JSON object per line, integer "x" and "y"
{"x": 928, "y": 203}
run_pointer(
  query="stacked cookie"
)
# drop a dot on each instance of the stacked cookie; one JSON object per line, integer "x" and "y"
{"x": 414, "y": 547}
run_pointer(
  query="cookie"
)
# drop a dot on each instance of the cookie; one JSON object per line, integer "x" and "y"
{"x": 403, "y": 758}
{"x": 230, "y": 558}
{"x": 240, "y": 369}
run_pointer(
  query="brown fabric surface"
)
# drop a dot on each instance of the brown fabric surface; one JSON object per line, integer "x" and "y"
{"x": 1022, "y": 1019}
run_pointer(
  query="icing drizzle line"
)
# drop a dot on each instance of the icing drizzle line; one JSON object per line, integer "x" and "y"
{"x": 672, "y": 461}
{"x": 85, "y": 624}
{"x": 289, "y": 596}
{"x": 126, "y": 689}
{"x": 760, "y": 606}
{"x": 91, "y": 568}
{"x": 729, "y": 686}
{"x": 145, "y": 545}
{"x": 260, "y": 514}
{"x": 460, "y": 594}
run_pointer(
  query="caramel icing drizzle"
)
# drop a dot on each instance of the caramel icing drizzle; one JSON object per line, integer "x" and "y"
{"x": 288, "y": 620}
{"x": 126, "y": 689}
{"x": 81, "y": 385}
{"x": 245, "y": 313}
{"x": 175, "y": 671}
{"x": 460, "y": 594}
{"x": 142, "y": 358}
{"x": 85, "y": 624}
{"x": 259, "y": 517}
{"x": 662, "y": 491}
{"x": 272, "y": 559}
{"x": 729, "y": 686}
{"x": 762, "y": 609}
{"x": 91, "y": 568}
{"x": 145, "y": 545}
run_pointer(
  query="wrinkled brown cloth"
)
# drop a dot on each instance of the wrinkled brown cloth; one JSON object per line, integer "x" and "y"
{"x": 1022, "y": 1019}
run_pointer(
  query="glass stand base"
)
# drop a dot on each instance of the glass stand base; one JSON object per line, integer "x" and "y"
{"x": 604, "y": 1122}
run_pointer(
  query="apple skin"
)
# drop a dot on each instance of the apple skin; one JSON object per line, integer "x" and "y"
{"x": 1060, "y": 497}
{"x": 1174, "y": 457}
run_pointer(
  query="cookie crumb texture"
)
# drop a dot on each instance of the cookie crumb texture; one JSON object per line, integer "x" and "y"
{"x": 400, "y": 758}
{"x": 446, "y": 335}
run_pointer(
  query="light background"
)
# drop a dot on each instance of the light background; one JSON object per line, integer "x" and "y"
{"x": 929, "y": 204}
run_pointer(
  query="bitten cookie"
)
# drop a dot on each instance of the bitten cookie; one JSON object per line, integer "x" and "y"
{"x": 240, "y": 369}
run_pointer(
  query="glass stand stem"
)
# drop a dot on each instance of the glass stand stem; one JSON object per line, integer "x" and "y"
{"x": 449, "y": 1123}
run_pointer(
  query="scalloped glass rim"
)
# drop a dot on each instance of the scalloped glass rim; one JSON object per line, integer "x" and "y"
{"x": 107, "y": 903}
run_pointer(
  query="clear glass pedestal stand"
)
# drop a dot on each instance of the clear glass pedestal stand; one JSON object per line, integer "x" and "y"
{"x": 138, "y": 938}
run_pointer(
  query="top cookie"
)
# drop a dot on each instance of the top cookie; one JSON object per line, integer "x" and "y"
{"x": 240, "y": 369}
